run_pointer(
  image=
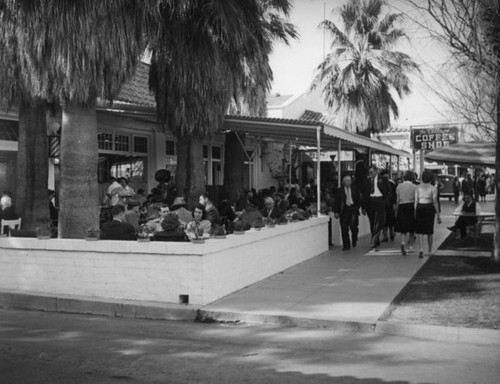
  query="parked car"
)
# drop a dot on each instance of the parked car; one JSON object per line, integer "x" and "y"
{"x": 446, "y": 182}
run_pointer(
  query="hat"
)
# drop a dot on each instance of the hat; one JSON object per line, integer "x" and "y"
{"x": 153, "y": 212}
{"x": 178, "y": 202}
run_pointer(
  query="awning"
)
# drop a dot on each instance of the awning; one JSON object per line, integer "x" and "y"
{"x": 468, "y": 154}
{"x": 303, "y": 132}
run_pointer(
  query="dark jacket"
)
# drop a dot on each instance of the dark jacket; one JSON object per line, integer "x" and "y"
{"x": 116, "y": 230}
{"x": 275, "y": 213}
{"x": 341, "y": 199}
{"x": 8, "y": 214}
{"x": 170, "y": 236}
{"x": 213, "y": 215}
{"x": 383, "y": 185}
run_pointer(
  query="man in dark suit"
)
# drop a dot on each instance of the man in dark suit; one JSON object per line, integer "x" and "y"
{"x": 346, "y": 209}
{"x": 271, "y": 211}
{"x": 118, "y": 229}
{"x": 376, "y": 196}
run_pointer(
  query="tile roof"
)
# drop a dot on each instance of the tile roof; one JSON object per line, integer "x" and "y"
{"x": 319, "y": 117}
{"x": 136, "y": 90}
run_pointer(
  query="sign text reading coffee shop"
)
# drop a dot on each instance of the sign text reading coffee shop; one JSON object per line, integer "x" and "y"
{"x": 432, "y": 138}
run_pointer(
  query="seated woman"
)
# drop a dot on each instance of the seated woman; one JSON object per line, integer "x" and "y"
{"x": 200, "y": 226}
{"x": 251, "y": 214}
{"x": 468, "y": 206}
{"x": 171, "y": 229}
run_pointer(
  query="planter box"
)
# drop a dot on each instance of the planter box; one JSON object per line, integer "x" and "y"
{"x": 156, "y": 271}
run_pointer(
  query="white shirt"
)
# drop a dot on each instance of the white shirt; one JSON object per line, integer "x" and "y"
{"x": 348, "y": 199}
{"x": 376, "y": 191}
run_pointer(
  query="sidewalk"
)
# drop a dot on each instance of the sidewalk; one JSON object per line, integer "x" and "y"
{"x": 346, "y": 289}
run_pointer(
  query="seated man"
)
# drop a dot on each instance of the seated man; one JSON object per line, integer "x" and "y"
{"x": 118, "y": 229}
{"x": 468, "y": 206}
{"x": 7, "y": 211}
{"x": 270, "y": 211}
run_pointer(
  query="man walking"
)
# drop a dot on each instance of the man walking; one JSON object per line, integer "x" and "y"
{"x": 346, "y": 209}
{"x": 376, "y": 196}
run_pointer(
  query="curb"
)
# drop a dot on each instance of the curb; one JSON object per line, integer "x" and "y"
{"x": 440, "y": 333}
{"x": 98, "y": 306}
{"x": 282, "y": 321}
{"x": 178, "y": 312}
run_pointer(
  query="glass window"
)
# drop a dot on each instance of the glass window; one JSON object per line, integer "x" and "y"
{"x": 216, "y": 153}
{"x": 105, "y": 141}
{"x": 205, "y": 151}
{"x": 140, "y": 144}
{"x": 122, "y": 143}
{"x": 170, "y": 148}
{"x": 9, "y": 130}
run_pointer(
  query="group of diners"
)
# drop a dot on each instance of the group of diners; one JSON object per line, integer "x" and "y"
{"x": 161, "y": 222}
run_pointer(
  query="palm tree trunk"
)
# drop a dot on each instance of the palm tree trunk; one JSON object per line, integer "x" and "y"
{"x": 234, "y": 166}
{"x": 32, "y": 202}
{"x": 181, "y": 179}
{"x": 197, "y": 184}
{"x": 496, "y": 250}
{"x": 79, "y": 195}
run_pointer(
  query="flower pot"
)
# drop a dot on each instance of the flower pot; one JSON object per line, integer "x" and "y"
{"x": 43, "y": 237}
{"x": 239, "y": 232}
{"x": 283, "y": 223}
{"x": 91, "y": 239}
{"x": 220, "y": 236}
{"x": 144, "y": 239}
{"x": 270, "y": 225}
{"x": 198, "y": 241}
{"x": 257, "y": 228}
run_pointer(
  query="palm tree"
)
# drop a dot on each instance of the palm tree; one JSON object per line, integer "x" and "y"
{"x": 362, "y": 71}
{"x": 208, "y": 55}
{"x": 70, "y": 54}
{"x": 32, "y": 154}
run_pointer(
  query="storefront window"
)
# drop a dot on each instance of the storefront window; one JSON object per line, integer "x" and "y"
{"x": 122, "y": 143}
{"x": 105, "y": 141}
{"x": 140, "y": 144}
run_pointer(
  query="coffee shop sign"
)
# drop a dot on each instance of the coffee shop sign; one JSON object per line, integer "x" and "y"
{"x": 433, "y": 138}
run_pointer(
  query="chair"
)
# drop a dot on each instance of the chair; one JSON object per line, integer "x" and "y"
{"x": 11, "y": 224}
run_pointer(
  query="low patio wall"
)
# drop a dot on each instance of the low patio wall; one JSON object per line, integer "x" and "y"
{"x": 157, "y": 271}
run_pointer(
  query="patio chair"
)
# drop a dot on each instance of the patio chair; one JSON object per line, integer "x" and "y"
{"x": 7, "y": 225}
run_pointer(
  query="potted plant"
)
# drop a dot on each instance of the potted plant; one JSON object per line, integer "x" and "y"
{"x": 240, "y": 227}
{"x": 44, "y": 230}
{"x": 92, "y": 234}
{"x": 258, "y": 224}
{"x": 145, "y": 233}
{"x": 195, "y": 235}
{"x": 270, "y": 223}
{"x": 220, "y": 232}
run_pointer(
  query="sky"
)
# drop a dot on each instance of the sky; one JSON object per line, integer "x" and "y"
{"x": 294, "y": 65}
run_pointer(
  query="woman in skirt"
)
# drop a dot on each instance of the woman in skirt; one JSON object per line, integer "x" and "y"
{"x": 426, "y": 208}
{"x": 405, "y": 210}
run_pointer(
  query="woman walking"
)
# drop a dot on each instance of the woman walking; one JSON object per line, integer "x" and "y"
{"x": 426, "y": 208}
{"x": 405, "y": 211}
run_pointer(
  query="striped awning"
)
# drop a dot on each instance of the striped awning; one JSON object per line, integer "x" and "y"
{"x": 467, "y": 154}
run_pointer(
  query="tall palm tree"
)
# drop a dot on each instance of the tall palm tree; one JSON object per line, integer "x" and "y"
{"x": 362, "y": 72}
{"x": 72, "y": 52}
{"x": 208, "y": 55}
{"x": 32, "y": 154}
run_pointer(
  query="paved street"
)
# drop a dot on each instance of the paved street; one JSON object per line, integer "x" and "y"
{"x": 39, "y": 347}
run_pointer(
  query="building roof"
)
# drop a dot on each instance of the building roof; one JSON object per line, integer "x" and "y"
{"x": 136, "y": 90}
{"x": 319, "y": 117}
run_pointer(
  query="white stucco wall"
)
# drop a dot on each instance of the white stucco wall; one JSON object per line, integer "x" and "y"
{"x": 157, "y": 271}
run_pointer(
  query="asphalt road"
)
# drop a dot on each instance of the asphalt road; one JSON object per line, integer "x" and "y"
{"x": 38, "y": 347}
